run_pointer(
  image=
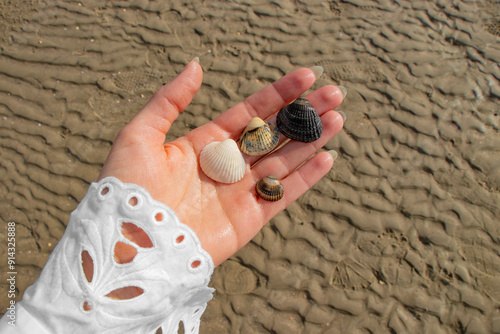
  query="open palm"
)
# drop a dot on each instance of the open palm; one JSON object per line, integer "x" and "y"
{"x": 224, "y": 216}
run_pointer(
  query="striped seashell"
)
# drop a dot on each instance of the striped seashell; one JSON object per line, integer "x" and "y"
{"x": 299, "y": 121}
{"x": 270, "y": 189}
{"x": 223, "y": 161}
{"x": 259, "y": 137}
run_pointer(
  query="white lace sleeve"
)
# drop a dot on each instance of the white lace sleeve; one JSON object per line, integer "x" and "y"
{"x": 169, "y": 274}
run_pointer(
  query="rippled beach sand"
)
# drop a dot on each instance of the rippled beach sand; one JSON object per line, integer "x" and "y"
{"x": 401, "y": 236}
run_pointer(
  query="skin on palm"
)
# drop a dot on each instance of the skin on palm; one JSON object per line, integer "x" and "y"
{"x": 224, "y": 216}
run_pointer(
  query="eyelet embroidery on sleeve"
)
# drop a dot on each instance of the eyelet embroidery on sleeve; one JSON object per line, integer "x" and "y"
{"x": 162, "y": 277}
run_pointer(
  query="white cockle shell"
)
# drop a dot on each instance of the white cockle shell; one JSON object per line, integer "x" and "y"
{"x": 223, "y": 161}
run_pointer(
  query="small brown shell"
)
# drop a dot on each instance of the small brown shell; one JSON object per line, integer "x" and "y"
{"x": 299, "y": 121}
{"x": 259, "y": 137}
{"x": 270, "y": 189}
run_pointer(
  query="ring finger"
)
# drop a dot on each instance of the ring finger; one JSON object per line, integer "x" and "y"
{"x": 292, "y": 155}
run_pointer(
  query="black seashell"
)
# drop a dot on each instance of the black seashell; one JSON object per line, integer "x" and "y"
{"x": 270, "y": 189}
{"x": 299, "y": 121}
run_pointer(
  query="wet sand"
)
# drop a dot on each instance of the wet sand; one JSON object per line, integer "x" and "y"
{"x": 401, "y": 236}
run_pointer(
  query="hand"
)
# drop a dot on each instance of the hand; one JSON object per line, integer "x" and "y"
{"x": 224, "y": 216}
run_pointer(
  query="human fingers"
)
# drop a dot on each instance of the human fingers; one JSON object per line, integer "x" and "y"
{"x": 323, "y": 99}
{"x": 262, "y": 104}
{"x": 288, "y": 158}
{"x": 154, "y": 120}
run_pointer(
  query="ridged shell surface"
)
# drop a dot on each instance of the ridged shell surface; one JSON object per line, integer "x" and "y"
{"x": 299, "y": 121}
{"x": 259, "y": 137}
{"x": 223, "y": 161}
{"x": 270, "y": 189}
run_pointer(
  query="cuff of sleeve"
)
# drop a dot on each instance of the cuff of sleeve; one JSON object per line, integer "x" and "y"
{"x": 168, "y": 276}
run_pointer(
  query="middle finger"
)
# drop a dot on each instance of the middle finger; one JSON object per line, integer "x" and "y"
{"x": 284, "y": 161}
{"x": 324, "y": 99}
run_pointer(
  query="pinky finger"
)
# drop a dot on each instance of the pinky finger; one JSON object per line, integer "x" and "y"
{"x": 298, "y": 182}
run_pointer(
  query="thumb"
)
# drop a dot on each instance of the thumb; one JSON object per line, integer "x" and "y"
{"x": 153, "y": 122}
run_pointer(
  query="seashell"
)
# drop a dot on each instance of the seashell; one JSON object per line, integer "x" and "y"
{"x": 299, "y": 121}
{"x": 270, "y": 188}
{"x": 259, "y": 137}
{"x": 223, "y": 161}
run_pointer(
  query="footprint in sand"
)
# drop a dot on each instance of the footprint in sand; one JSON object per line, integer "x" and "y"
{"x": 490, "y": 285}
{"x": 388, "y": 243}
{"x": 362, "y": 70}
{"x": 349, "y": 274}
{"x": 488, "y": 264}
{"x": 137, "y": 80}
{"x": 360, "y": 126}
{"x": 482, "y": 259}
{"x": 235, "y": 279}
{"x": 107, "y": 107}
{"x": 493, "y": 27}
{"x": 335, "y": 6}
{"x": 340, "y": 70}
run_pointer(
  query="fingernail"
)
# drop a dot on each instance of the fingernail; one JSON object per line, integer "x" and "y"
{"x": 195, "y": 59}
{"x": 317, "y": 70}
{"x": 334, "y": 154}
{"x": 344, "y": 116}
{"x": 343, "y": 90}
